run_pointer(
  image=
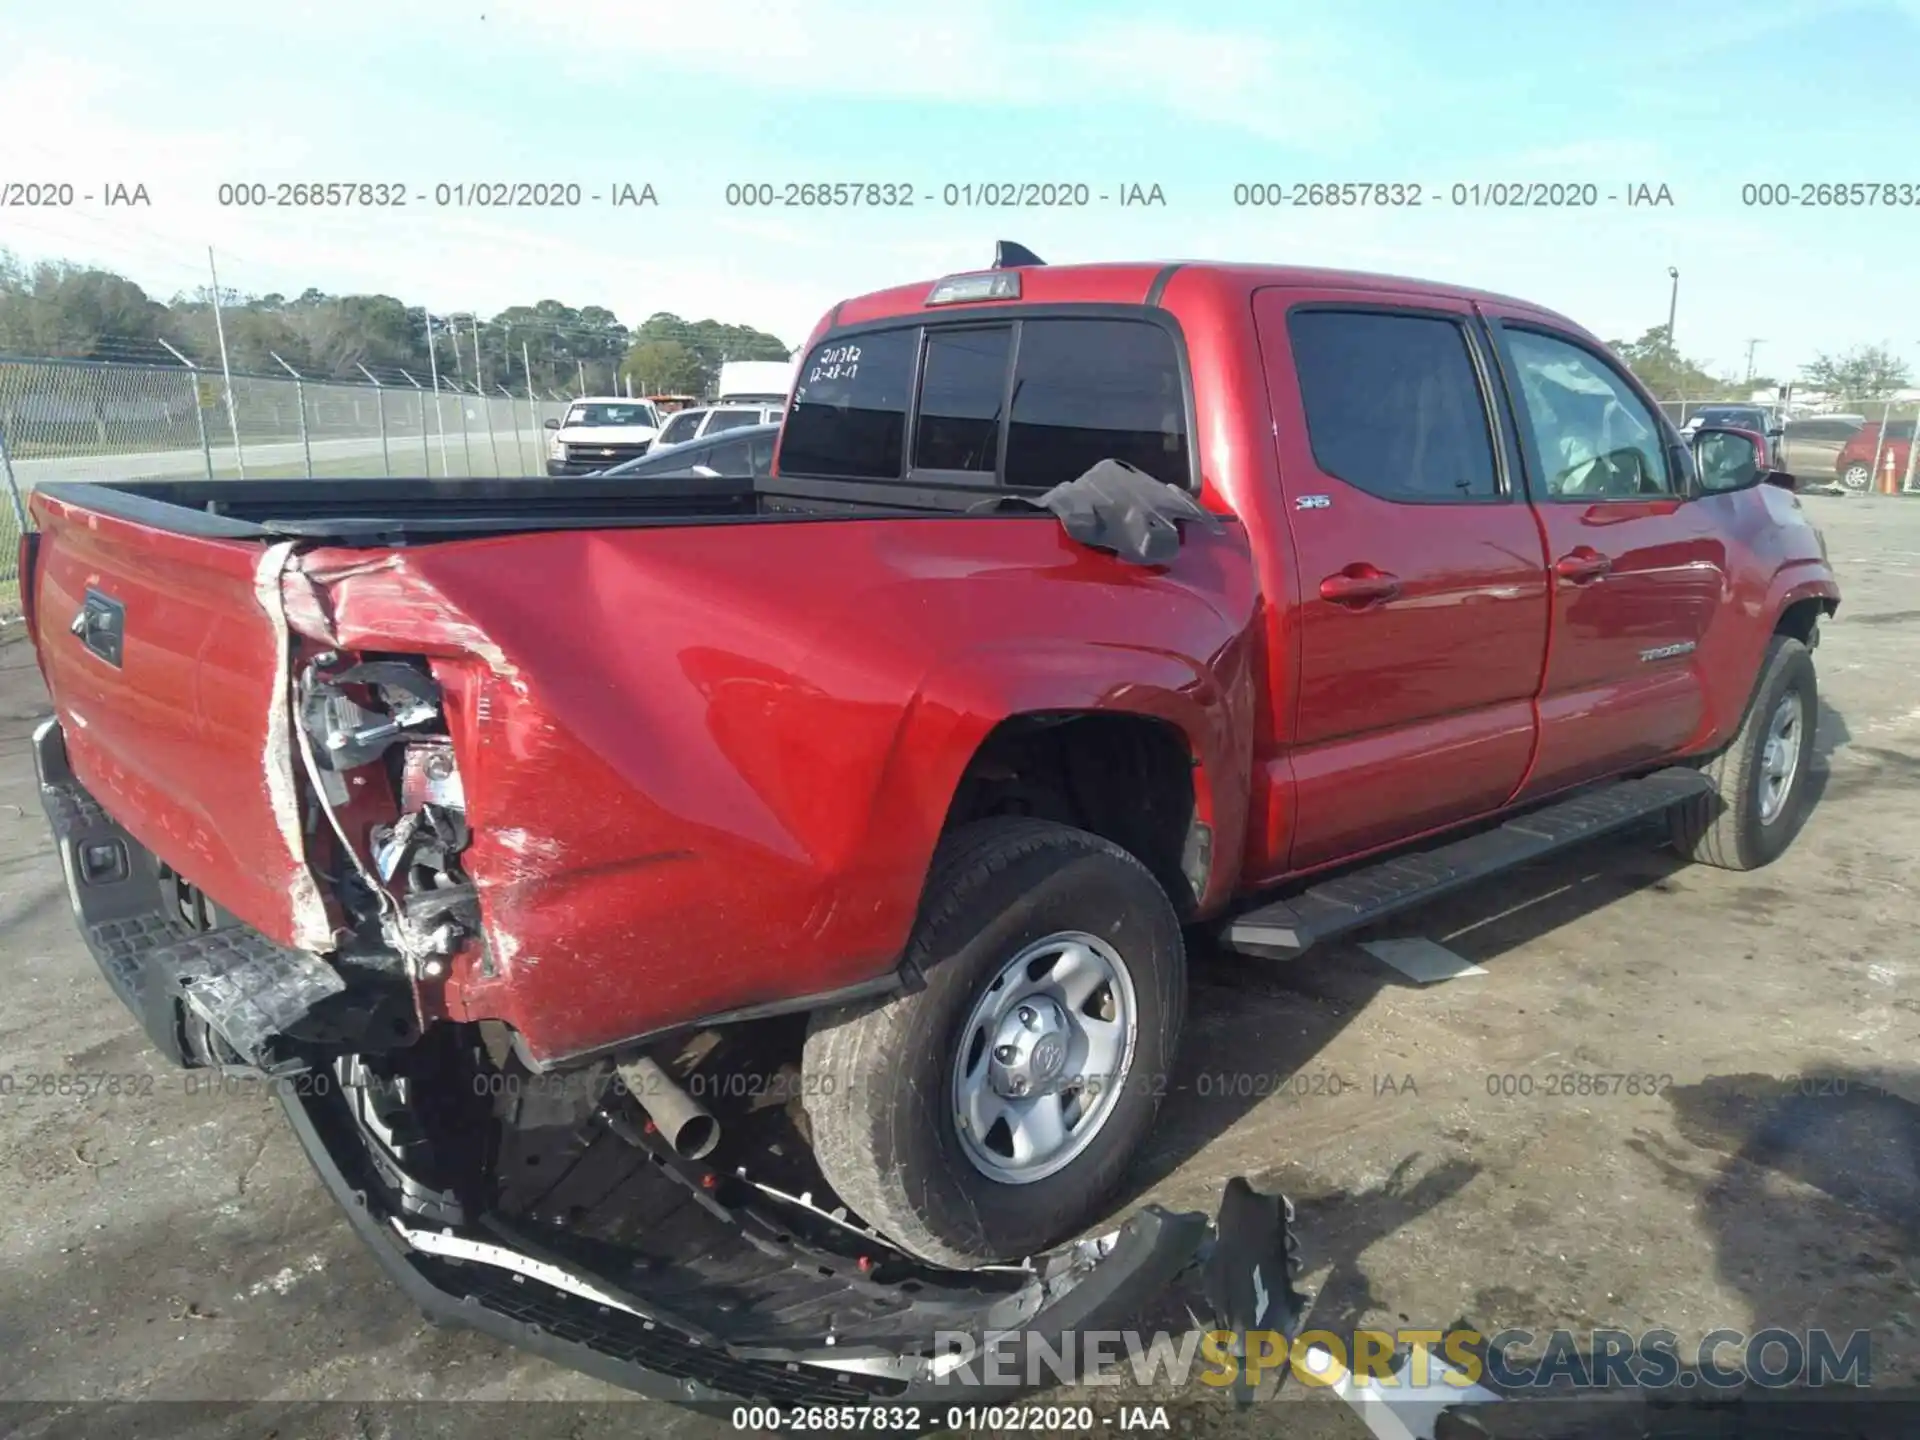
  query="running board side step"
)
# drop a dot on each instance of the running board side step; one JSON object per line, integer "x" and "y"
{"x": 1284, "y": 928}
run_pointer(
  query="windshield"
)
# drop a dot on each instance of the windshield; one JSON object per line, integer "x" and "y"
{"x": 1742, "y": 418}
{"x": 594, "y": 416}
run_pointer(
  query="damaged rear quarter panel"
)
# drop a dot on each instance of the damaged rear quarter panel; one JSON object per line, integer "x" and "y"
{"x": 706, "y": 767}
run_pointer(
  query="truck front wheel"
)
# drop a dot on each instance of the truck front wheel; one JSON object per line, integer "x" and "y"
{"x": 1760, "y": 791}
{"x": 987, "y": 1116}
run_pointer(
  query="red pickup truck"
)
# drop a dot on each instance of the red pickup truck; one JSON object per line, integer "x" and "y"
{"x": 755, "y": 911}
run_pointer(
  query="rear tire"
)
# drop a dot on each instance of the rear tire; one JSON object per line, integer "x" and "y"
{"x": 1856, "y": 478}
{"x": 1061, "y": 1084}
{"x": 1759, "y": 799}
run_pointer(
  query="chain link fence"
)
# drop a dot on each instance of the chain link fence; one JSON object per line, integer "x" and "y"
{"x": 89, "y": 420}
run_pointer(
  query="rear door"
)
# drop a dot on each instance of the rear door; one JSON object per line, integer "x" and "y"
{"x": 1423, "y": 596}
{"x": 1638, "y": 572}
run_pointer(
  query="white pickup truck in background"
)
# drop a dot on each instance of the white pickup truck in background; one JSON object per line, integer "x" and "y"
{"x": 598, "y": 431}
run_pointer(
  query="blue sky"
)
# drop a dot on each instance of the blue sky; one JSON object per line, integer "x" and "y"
{"x": 1701, "y": 96}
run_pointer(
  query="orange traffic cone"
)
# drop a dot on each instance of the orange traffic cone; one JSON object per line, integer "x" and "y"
{"x": 1889, "y": 480}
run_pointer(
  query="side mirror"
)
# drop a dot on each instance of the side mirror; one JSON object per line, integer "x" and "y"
{"x": 1728, "y": 459}
{"x": 553, "y": 424}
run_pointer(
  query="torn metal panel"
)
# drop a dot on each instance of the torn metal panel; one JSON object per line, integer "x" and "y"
{"x": 387, "y": 604}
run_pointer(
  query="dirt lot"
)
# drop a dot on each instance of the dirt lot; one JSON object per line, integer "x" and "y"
{"x": 175, "y": 1246}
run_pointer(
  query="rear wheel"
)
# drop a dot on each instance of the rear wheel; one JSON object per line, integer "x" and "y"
{"x": 987, "y": 1116}
{"x": 1759, "y": 798}
{"x": 1856, "y": 476}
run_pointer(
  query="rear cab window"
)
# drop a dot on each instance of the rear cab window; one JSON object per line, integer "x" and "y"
{"x": 993, "y": 401}
{"x": 732, "y": 458}
{"x": 731, "y": 420}
{"x": 681, "y": 427}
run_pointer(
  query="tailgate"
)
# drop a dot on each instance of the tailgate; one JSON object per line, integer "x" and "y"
{"x": 169, "y": 676}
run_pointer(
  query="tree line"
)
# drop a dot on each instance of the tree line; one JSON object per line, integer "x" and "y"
{"x": 1866, "y": 372}
{"x": 64, "y": 310}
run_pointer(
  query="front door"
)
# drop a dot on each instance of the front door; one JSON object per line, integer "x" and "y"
{"x": 1637, "y": 572}
{"x": 1421, "y": 617}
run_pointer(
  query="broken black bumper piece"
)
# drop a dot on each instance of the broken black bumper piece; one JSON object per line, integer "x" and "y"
{"x": 466, "y": 1277}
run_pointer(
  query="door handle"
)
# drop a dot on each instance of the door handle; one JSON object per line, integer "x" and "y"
{"x": 101, "y": 625}
{"x": 1359, "y": 584}
{"x": 1581, "y": 564}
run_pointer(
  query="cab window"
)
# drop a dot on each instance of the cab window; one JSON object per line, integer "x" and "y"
{"x": 1590, "y": 435}
{"x": 1394, "y": 405}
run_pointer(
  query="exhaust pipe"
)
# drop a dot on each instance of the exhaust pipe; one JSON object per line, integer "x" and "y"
{"x": 688, "y": 1125}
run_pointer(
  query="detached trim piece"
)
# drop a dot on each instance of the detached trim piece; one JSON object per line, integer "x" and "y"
{"x": 482, "y": 1252}
{"x": 313, "y": 928}
{"x": 503, "y": 1293}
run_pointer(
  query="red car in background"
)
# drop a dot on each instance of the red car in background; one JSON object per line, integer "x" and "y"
{"x": 1864, "y": 456}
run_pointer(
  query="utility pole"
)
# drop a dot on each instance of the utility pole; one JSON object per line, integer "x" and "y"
{"x": 433, "y": 367}
{"x": 299, "y": 399}
{"x": 380, "y": 402}
{"x": 1913, "y": 453}
{"x": 533, "y": 404}
{"x": 1752, "y": 345}
{"x": 479, "y": 375}
{"x": 426, "y": 455}
{"x": 479, "y": 387}
{"x": 199, "y": 405}
{"x": 1673, "y": 304}
{"x": 226, "y": 368}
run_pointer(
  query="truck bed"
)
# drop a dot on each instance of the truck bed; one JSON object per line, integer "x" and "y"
{"x": 389, "y": 511}
{"x": 380, "y": 511}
